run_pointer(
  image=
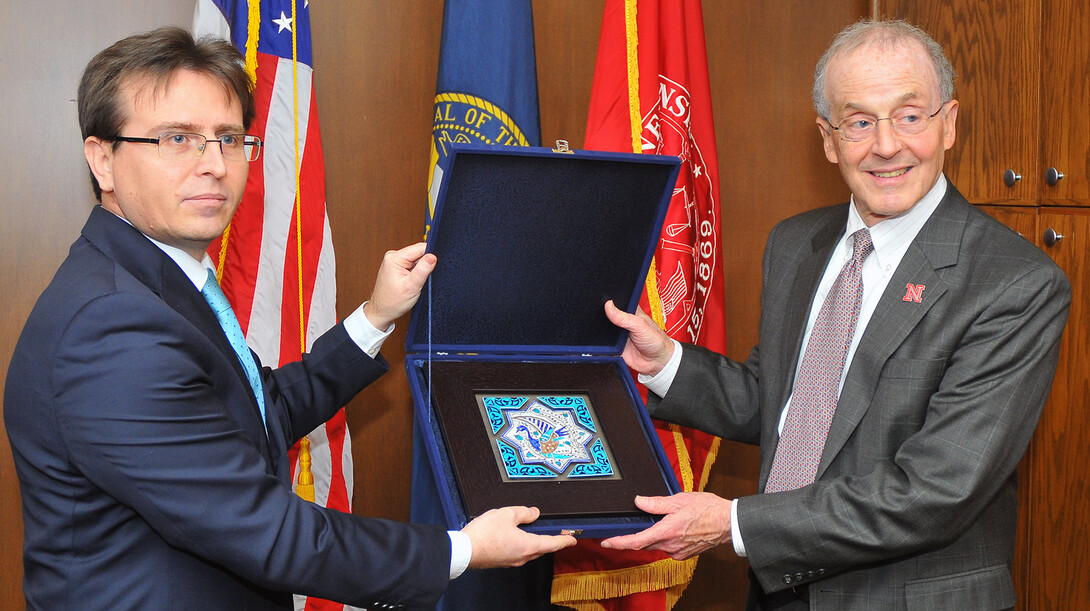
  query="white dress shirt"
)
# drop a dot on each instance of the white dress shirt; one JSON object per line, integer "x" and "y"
{"x": 891, "y": 239}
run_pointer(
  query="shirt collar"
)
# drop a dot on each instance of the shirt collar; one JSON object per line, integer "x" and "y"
{"x": 893, "y": 235}
{"x": 196, "y": 271}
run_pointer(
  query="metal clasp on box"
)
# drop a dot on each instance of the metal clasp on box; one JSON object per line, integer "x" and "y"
{"x": 562, "y": 147}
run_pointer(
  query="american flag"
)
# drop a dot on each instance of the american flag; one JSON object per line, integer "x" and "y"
{"x": 275, "y": 260}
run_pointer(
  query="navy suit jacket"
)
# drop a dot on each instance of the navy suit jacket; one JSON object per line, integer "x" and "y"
{"x": 915, "y": 501}
{"x": 147, "y": 478}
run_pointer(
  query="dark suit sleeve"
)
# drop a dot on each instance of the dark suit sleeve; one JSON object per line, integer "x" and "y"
{"x": 140, "y": 398}
{"x": 308, "y": 392}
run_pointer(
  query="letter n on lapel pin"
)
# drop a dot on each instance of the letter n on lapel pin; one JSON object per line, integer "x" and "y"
{"x": 914, "y": 292}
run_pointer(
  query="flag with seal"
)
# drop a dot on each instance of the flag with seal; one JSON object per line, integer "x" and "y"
{"x": 651, "y": 94}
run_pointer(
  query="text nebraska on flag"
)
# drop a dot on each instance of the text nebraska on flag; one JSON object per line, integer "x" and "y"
{"x": 651, "y": 94}
{"x": 275, "y": 260}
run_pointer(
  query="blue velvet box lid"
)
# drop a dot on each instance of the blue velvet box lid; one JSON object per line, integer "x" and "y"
{"x": 532, "y": 243}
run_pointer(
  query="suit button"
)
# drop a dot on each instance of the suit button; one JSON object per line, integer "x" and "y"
{"x": 787, "y": 579}
{"x": 798, "y": 577}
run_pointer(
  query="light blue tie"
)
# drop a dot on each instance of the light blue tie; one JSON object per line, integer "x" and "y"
{"x": 213, "y": 294}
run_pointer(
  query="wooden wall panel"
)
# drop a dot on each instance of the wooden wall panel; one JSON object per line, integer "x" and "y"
{"x": 1058, "y": 493}
{"x": 566, "y": 40}
{"x": 45, "y": 192}
{"x": 374, "y": 77}
{"x": 994, "y": 49}
{"x": 1065, "y": 88}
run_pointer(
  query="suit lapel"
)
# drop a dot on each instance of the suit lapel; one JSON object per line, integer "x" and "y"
{"x": 935, "y": 247}
{"x": 152, "y": 267}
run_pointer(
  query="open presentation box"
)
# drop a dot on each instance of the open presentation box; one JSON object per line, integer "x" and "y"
{"x": 518, "y": 385}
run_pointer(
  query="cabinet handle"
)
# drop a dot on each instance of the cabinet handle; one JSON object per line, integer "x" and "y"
{"x": 1052, "y": 238}
{"x": 1010, "y": 177}
{"x": 1053, "y": 176}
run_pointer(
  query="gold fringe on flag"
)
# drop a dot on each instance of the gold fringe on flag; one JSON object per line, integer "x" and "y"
{"x": 631, "y": 37}
{"x": 253, "y": 29}
{"x": 581, "y": 590}
{"x": 298, "y": 164}
{"x": 635, "y": 121}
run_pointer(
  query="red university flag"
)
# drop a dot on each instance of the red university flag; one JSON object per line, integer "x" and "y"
{"x": 651, "y": 95}
{"x": 275, "y": 260}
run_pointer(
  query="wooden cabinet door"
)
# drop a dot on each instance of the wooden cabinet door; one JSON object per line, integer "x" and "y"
{"x": 1058, "y": 487}
{"x": 995, "y": 48}
{"x": 1023, "y": 220}
{"x": 1019, "y": 218}
{"x": 1065, "y": 101}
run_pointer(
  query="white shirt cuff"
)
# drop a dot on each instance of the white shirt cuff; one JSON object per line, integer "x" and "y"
{"x": 661, "y": 381}
{"x": 735, "y": 534}
{"x": 363, "y": 333}
{"x": 461, "y": 550}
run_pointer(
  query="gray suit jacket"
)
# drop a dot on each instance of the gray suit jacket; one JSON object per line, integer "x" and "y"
{"x": 915, "y": 500}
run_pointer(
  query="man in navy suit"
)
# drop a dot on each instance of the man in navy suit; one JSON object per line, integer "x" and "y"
{"x": 154, "y": 474}
{"x": 905, "y": 495}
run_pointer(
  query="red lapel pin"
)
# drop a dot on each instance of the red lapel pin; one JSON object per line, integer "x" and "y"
{"x": 914, "y": 292}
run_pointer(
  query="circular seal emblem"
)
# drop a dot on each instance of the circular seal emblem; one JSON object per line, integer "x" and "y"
{"x": 460, "y": 117}
{"x": 467, "y": 119}
{"x": 688, "y": 249}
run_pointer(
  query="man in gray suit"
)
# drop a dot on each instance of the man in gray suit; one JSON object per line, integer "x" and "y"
{"x": 891, "y": 399}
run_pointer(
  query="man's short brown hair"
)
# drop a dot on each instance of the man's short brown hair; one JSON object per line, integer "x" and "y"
{"x": 155, "y": 57}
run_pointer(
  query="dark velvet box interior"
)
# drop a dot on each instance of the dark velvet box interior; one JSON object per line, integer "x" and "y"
{"x": 531, "y": 244}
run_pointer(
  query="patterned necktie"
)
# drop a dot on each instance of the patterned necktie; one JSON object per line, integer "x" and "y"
{"x": 817, "y": 388}
{"x": 213, "y": 294}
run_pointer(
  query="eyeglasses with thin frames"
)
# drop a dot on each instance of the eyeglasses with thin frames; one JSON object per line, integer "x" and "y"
{"x": 179, "y": 145}
{"x": 906, "y": 122}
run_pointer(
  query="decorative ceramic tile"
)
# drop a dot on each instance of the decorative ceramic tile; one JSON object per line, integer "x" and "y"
{"x": 546, "y": 437}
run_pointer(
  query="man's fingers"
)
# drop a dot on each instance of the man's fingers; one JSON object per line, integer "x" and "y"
{"x": 619, "y": 317}
{"x": 497, "y": 540}
{"x": 425, "y": 265}
{"x": 556, "y": 543}
{"x": 658, "y": 505}
{"x": 412, "y": 252}
{"x": 639, "y": 540}
{"x": 522, "y": 515}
